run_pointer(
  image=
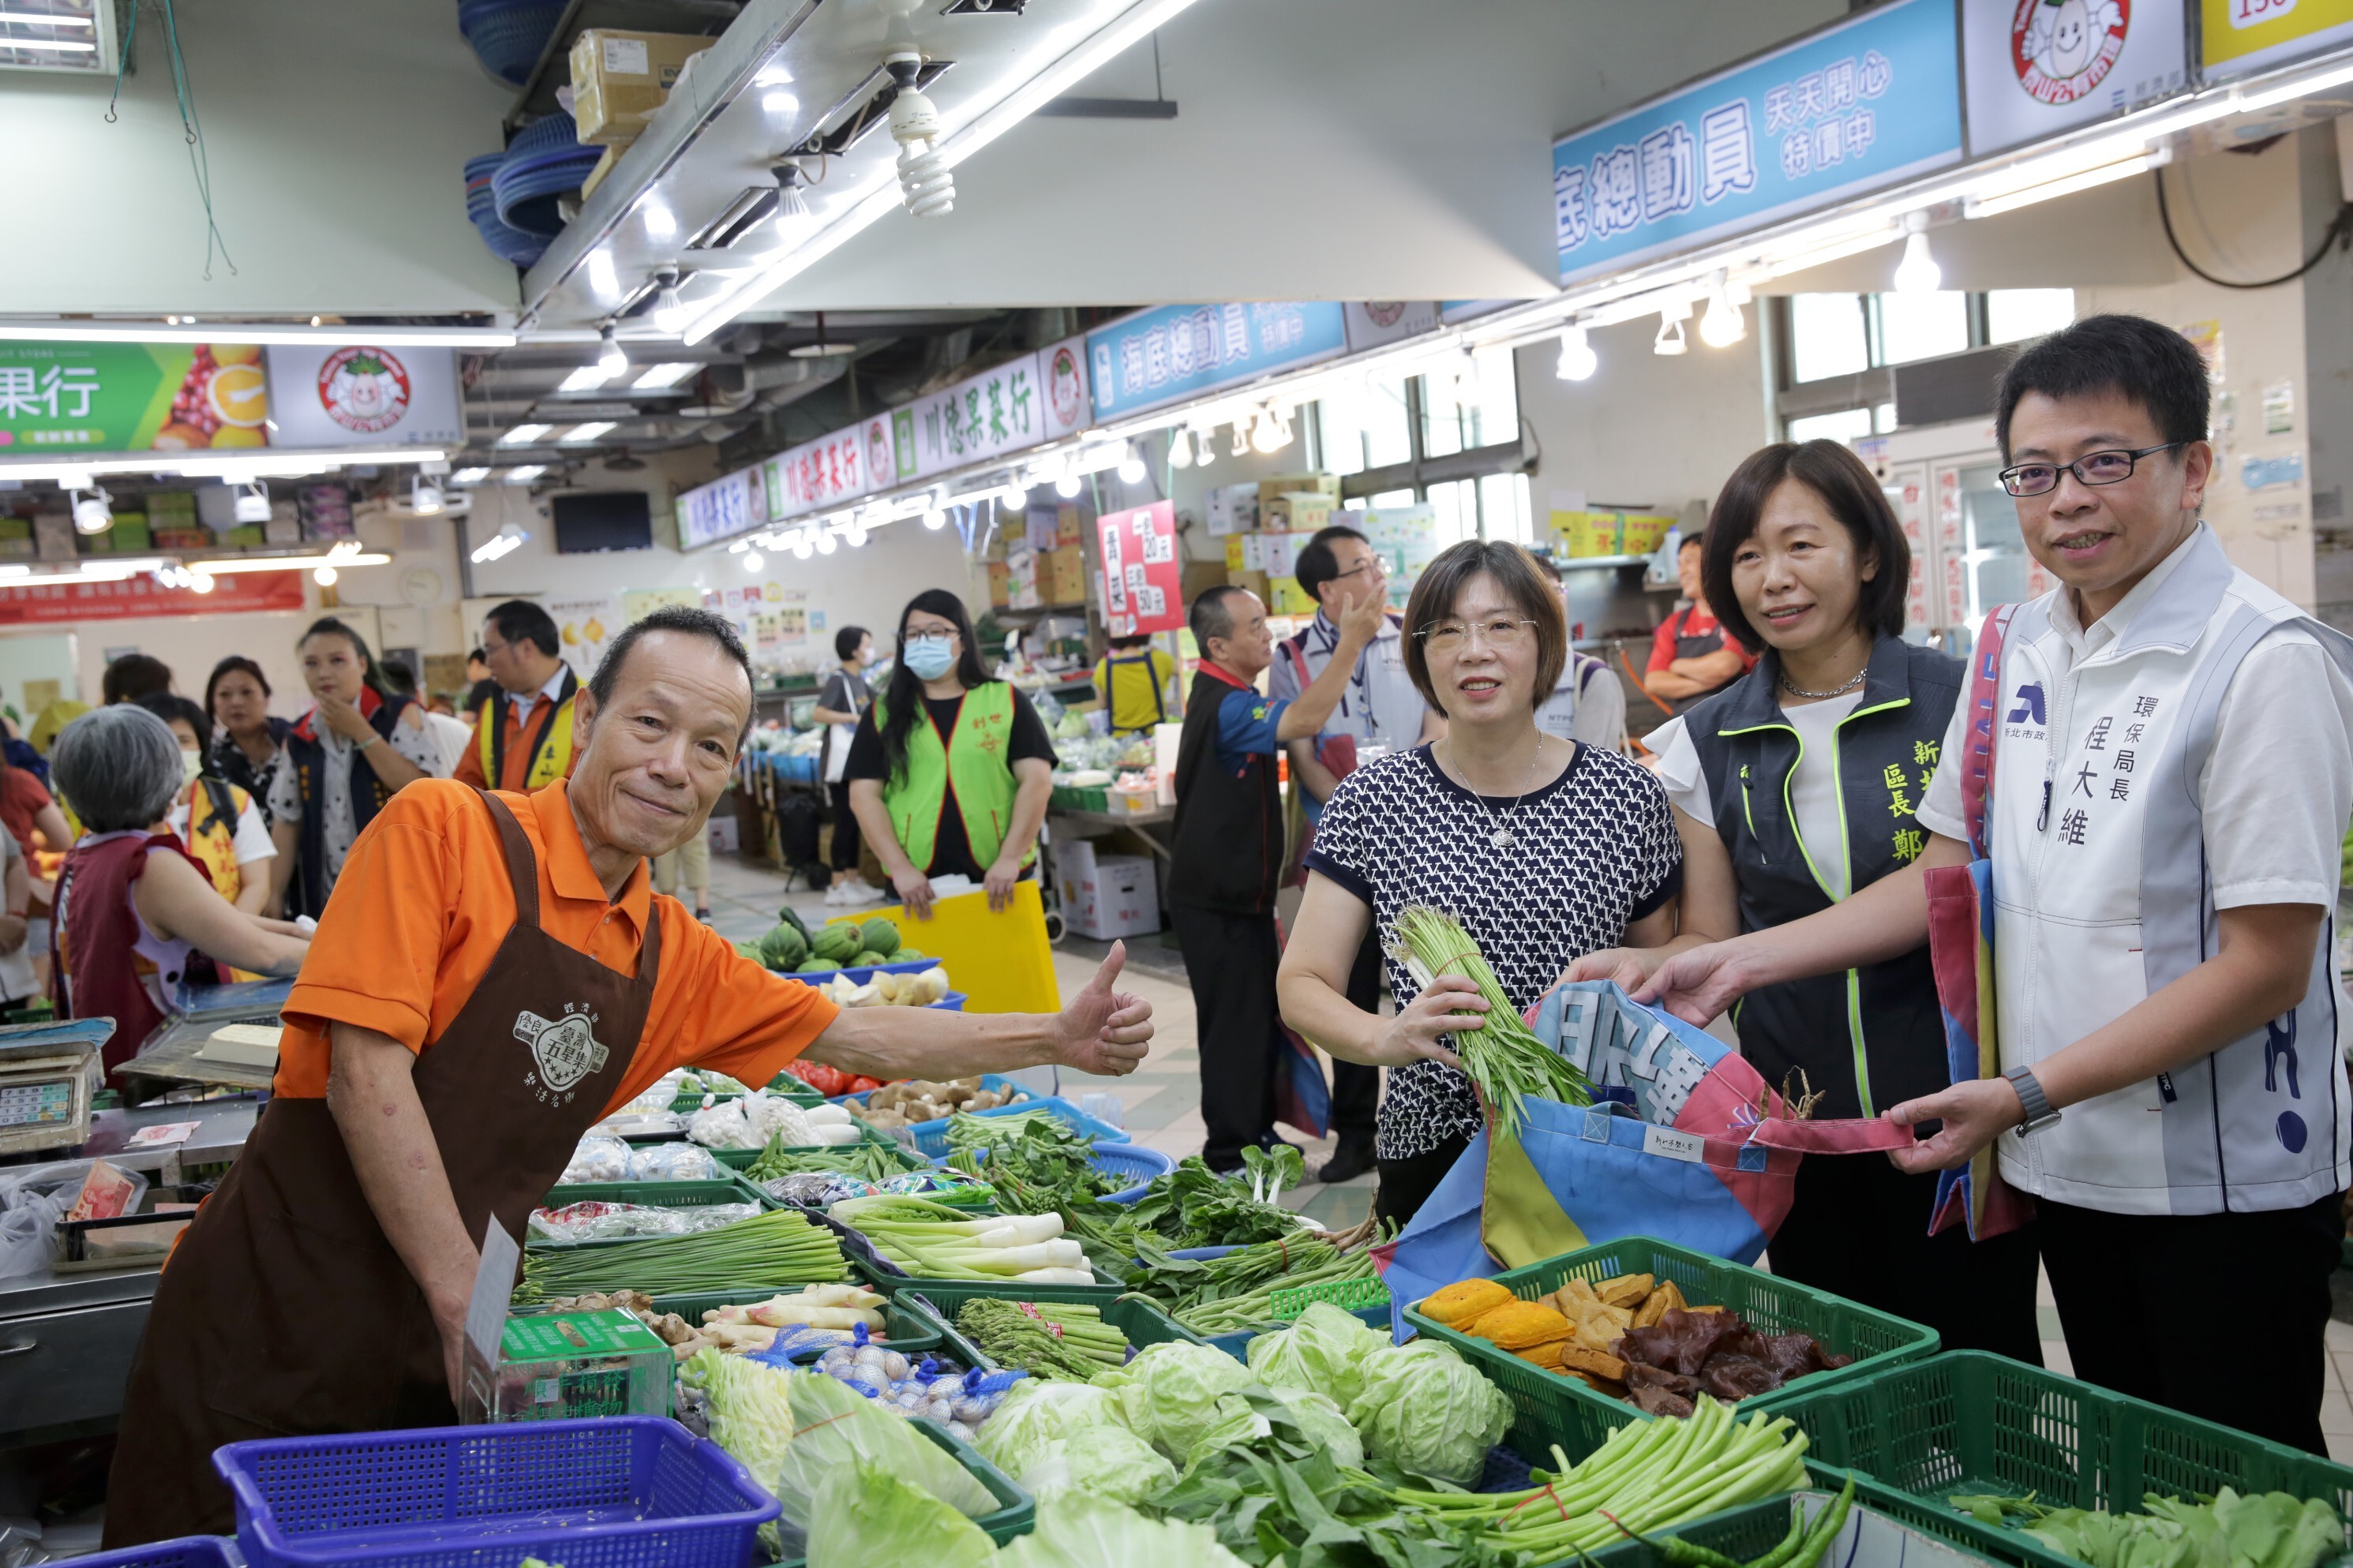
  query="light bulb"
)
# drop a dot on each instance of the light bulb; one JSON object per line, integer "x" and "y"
{"x": 426, "y": 500}
{"x": 802, "y": 548}
{"x": 754, "y": 561}
{"x": 1181, "y": 449}
{"x": 855, "y": 536}
{"x": 1267, "y": 434}
{"x": 91, "y": 514}
{"x": 1017, "y": 496}
{"x": 669, "y": 311}
{"x": 325, "y": 576}
{"x": 609, "y": 357}
{"x": 1067, "y": 486}
{"x": 1669, "y": 340}
{"x": 792, "y": 193}
{"x": 1131, "y": 470}
{"x": 600, "y": 274}
{"x": 934, "y": 518}
{"x": 1723, "y": 325}
{"x": 202, "y": 582}
{"x": 1917, "y": 273}
{"x": 825, "y": 544}
{"x": 1577, "y": 361}
{"x": 926, "y": 183}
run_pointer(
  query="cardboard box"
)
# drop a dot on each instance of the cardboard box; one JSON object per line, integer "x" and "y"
{"x": 1107, "y": 896}
{"x": 620, "y": 78}
{"x": 604, "y": 166}
{"x": 1000, "y": 584}
{"x": 1252, "y": 582}
{"x": 1289, "y": 598}
{"x": 1299, "y": 484}
{"x": 1070, "y": 524}
{"x": 1296, "y": 514}
{"x": 1232, "y": 508}
{"x": 1022, "y": 577}
{"x": 1062, "y": 575}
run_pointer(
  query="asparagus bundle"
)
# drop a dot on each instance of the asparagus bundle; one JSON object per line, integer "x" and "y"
{"x": 1500, "y": 1054}
{"x": 1047, "y": 1339}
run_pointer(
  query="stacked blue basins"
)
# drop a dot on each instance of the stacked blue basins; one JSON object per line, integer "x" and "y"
{"x": 507, "y": 244}
{"x": 544, "y": 162}
{"x": 509, "y": 36}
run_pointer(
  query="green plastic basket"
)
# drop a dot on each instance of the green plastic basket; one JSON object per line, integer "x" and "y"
{"x": 1135, "y": 1316}
{"x": 1349, "y": 1295}
{"x": 1016, "y": 1514}
{"x": 652, "y": 1195}
{"x": 742, "y": 1159}
{"x": 1748, "y": 1531}
{"x": 1556, "y": 1403}
{"x": 906, "y": 1330}
{"x": 1969, "y": 1421}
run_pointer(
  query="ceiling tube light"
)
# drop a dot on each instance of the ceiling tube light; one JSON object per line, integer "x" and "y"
{"x": 1723, "y": 325}
{"x": 184, "y": 329}
{"x": 590, "y": 431}
{"x": 670, "y": 311}
{"x": 667, "y": 374}
{"x": 587, "y": 378}
{"x": 1577, "y": 361}
{"x": 525, "y": 474}
{"x": 1917, "y": 273}
{"x": 469, "y": 476}
{"x": 525, "y": 434}
{"x": 609, "y": 355}
{"x": 2010, "y": 201}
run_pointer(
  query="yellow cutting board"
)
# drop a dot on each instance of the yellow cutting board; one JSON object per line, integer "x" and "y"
{"x": 1001, "y": 962}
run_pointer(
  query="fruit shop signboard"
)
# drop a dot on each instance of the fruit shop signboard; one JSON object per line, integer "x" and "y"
{"x": 60, "y": 399}
{"x": 366, "y": 394}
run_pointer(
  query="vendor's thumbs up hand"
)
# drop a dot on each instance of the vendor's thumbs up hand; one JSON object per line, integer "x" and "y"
{"x": 1106, "y": 1031}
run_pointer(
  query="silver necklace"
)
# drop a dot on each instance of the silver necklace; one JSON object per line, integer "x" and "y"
{"x": 1822, "y": 696}
{"x": 1499, "y": 830}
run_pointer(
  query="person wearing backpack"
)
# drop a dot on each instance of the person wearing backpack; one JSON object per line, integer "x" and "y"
{"x": 2143, "y": 791}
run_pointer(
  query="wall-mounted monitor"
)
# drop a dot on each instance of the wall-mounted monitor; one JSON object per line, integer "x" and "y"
{"x": 593, "y": 521}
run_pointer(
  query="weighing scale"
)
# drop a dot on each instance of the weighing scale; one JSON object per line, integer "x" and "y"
{"x": 48, "y": 1074}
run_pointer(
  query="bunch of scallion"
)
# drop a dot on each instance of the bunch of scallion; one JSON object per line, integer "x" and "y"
{"x": 933, "y": 1241}
{"x": 781, "y": 1248}
{"x": 1047, "y": 1339}
{"x": 1500, "y": 1053}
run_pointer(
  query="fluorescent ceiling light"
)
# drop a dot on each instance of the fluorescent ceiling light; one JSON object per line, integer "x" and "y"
{"x": 54, "y": 46}
{"x": 292, "y": 563}
{"x": 2010, "y": 201}
{"x": 586, "y": 378}
{"x": 525, "y": 434}
{"x": 235, "y": 468}
{"x": 666, "y": 374}
{"x": 525, "y": 474}
{"x": 28, "y": 19}
{"x": 469, "y": 476}
{"x": 53, "y": 331}
{"x": 590, "y": 431}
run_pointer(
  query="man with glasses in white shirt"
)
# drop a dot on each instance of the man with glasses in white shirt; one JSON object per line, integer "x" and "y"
{"x": 1380, "y": 707}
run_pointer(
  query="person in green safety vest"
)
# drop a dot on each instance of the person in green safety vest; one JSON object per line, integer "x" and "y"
{"x": 949, "y": 771}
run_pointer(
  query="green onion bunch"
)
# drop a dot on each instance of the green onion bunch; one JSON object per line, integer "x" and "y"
{"x": 763, "y": 1253}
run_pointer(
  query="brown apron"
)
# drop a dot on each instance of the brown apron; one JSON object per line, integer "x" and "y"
{"x": 285, "y": 1309}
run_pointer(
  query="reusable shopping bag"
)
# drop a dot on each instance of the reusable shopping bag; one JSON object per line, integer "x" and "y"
{"x": 1960, "y": 950}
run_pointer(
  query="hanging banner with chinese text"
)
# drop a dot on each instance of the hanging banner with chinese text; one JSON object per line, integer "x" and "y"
{"x": 720, "y": 509}
{"x": 2036, "y": 69}
{"x": 1856, "y": 105}
{"x": 2243, "y": 36}
{"x": 60, "y": 398}
{"x": 1143, "y": 591}
{"x": 1172, "y": 352}
{"x": 234, "y": 594}
{"x": 1001, "y": 410}
{"x": 831, "y": 471}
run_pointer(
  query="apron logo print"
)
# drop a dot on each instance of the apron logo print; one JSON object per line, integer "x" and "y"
{"x": 565, "y": 1048}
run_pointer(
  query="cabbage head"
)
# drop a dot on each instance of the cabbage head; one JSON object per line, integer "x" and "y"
{"x": 1168, "y": 1395}
{"x": 1035, "y": 1412}
{"x": 1323, "y": 1351}
{"x": 1075, "y": 1530}
{"x": 1317, "y": 1416}
{"x": 1102, "y": 1461}
{"x": 1429, "y": 1412}
{"x": 866, "y": 1515}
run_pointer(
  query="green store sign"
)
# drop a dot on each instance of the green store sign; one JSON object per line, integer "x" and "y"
{"x": 57, "y": 399}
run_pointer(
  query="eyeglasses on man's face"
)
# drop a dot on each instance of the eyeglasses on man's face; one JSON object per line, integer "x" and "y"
{"x": 2112, "y": 467}
{"x": 1500, "y": 632}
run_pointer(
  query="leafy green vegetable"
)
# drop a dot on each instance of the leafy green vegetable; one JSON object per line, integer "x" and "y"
{"x": 1038, "y": 1162}
{"x": 865, "y": 1515}
{"x": 1429, "y": 1412}
{"x": 2252, "y": 1529}
{"x": 1247, "y": 1417}
{"x": 1101, "y": 1461}
{"x": 1168, "y": 1393}
{"x": 1499, "y": 1051}
{"x": 750, "y": 1410}
{"x": 836, "y": 1426}
{"x": 1036, "y": 1413}
{"x": 1324, "y": 1349}
{"x": 1075, "y": 1530}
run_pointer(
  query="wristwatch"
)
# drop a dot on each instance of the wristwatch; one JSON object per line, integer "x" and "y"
{"x": 2039, "y": 1114}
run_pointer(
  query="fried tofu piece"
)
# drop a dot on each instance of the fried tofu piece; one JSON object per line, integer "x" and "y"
{"x": 1597, "y": 1363}
{"x": 1546, "y": 1355}
{"x": 1658, "y": 1304}
{"x": 1626, "y": 1290}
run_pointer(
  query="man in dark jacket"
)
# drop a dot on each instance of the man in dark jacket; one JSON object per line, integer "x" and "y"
{"x": 1228, "y": 859}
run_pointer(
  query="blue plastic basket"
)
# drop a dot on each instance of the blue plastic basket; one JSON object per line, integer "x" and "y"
{"x": 186, "y": 1552}
{"x": 614, "y": 1491}
{"x": 862, "y": 973}
{"x": 932, "y": 1137}
{"x": 509, "y": 36}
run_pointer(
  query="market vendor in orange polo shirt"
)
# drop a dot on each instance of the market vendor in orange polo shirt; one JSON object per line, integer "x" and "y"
{"x": 491, "y": 976}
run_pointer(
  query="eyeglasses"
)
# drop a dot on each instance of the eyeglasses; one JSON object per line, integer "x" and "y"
{"x": 1501, "y": 633}
{"x": 1373, "y": 565}
{"x": 2092, "y": 468}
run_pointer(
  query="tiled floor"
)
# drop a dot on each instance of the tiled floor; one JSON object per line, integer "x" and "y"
{"x": 1161, "y": 1102}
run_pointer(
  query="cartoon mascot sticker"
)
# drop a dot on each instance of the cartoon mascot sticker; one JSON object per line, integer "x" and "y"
{"x": 2063, "y": 49}
{"x": 364, "y": 390}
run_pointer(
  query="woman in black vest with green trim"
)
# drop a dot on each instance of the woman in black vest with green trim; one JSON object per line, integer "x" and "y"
{"x": 1792, "y": 788}
{"x": 950, "y": 769}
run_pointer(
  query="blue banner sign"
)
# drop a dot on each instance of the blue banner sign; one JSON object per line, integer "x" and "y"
{"x": 1857, "y": 106}
{"x": 1174, "y": 352}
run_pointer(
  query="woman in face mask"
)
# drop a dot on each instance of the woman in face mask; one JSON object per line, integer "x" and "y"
{"x": 949, "y": 771}
{"x": 217, "y": 821}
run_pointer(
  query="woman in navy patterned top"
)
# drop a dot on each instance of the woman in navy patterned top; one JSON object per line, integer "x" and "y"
{"x": 1544, "y": 850}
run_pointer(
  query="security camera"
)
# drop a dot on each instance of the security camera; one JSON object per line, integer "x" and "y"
{"x": 925, "y": 183}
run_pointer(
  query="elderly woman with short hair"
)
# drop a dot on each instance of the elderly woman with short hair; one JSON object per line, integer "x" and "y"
{"x": 134, "y": 912}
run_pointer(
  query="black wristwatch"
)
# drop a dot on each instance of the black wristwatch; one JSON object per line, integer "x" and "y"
{"x": 2039, "y": 1114}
